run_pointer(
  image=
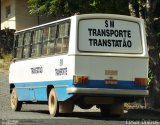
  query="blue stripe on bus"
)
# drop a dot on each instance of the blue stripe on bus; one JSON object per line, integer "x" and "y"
{"x": 36, "y": 91}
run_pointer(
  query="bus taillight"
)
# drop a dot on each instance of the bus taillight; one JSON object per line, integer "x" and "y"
{"x": 141, "y": 81}
{"x": 80, "y": 79}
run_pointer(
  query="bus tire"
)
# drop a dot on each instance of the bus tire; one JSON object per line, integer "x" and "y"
{"x": 53, "y": 103}
{"x": 15, "y": 104}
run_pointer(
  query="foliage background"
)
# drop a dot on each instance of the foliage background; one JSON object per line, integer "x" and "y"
{"x": 149, "y": 10}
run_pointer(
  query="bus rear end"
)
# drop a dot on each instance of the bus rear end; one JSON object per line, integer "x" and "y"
{"x": 111, "y": 62}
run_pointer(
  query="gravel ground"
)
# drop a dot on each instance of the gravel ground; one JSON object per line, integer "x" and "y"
{"x": 38, "y": 114}
{"x": 7, "y": 113}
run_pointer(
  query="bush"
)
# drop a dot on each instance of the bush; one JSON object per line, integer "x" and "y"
{"x": 6, "y": 41}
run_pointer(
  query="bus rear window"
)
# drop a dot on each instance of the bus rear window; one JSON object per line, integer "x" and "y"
{"x": 110, "y": 36}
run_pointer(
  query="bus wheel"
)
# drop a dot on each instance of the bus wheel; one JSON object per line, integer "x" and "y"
{"x": 53, "y": 103}
{"x": 15, "y": 104}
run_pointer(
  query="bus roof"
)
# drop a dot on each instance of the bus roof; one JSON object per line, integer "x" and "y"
{"x": 38, "y": 26}
{"x": 94, "y": 15}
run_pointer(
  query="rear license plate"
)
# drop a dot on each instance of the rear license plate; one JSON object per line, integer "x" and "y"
{"x": 111, "y": 81}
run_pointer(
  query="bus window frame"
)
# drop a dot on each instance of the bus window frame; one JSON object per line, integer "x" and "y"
{"x": 27, "y": 45}
{"x": 139, "y": 24}
{"x": 18, "y": 47}
{"x": 38, "y": 51}
{"x": 31, "y": 41}
{"x": 49, "y": 40}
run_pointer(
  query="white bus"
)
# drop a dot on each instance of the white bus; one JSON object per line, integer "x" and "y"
{"x": 84, "y": 60}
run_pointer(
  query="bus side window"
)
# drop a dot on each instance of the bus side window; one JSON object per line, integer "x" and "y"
{"x": 63, "y": 38}
{"x": 37, "y": 43}
{"x": 49, "y": 36}
{"x": 26, "y": 48}
{"x": 45, "y": 41}
{"x": 52, "y": 39}
{"x": 19, "y": 46}
{"x": 59, "y": 38}
{"x": 65, "y": 41}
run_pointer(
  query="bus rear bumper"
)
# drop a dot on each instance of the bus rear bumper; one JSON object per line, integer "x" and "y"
{"x": 126, "y": 92}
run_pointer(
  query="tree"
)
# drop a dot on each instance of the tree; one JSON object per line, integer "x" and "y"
{"x": 64, "y": 8}
{"x": 146, "y": 9}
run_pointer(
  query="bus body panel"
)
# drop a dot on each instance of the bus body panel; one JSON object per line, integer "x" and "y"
{"x": 32, "y": 76}
{"x": 124, "y": 70}
{"x": 127, "y": 68}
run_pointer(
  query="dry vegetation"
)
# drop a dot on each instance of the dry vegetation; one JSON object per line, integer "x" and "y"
{"x": 5, "y": 62}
